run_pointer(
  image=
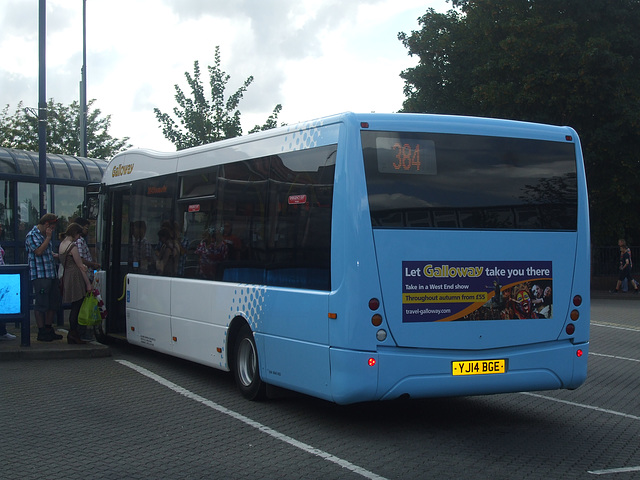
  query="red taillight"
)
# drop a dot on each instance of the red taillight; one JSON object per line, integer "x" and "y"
{"x": 374, "y": 304}
{"x": 571, "y": 328}
{"x": 372, "y": 362}
{"x": 577, "y": 300}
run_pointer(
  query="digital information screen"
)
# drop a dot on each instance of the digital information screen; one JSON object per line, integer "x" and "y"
{"x": 10, "y": 294}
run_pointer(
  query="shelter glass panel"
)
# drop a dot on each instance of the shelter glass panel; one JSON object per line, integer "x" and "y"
{"x": 7, "y": 164}
{"x": 68, "y": 204}
{"x": 6, "y": 210}
{"x": 26, "y": 165}
{"x": 62, "y": 170}
{"x": 77, "y": 170}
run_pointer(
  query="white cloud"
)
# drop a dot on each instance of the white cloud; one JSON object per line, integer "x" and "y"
{"x": 314, "y": 57}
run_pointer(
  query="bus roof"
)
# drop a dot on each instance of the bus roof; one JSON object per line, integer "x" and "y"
{"x": 134, "y": 164}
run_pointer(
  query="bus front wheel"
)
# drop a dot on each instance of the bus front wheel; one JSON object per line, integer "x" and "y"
{"x": 245, "y": 371}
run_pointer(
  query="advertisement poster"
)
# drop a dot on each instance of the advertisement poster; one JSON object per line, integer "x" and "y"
{"x": 469, "y": 291}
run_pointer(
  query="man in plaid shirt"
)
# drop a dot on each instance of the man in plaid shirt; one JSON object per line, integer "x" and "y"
{"x": 44, "y": 277}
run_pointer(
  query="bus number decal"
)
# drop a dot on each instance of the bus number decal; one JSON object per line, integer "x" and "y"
{"x": 446, "y": 291}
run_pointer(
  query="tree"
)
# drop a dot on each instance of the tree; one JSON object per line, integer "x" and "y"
{"x": 272, "y": 121}
{"x": 20, "y": 130}
{"x": 553, "y": 61}
{"x": 200, "y": 122}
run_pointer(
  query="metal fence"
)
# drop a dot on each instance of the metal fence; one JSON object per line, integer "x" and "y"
{"x": 605, "y": 261}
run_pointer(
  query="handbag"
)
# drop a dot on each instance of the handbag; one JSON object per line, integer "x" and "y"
{"x": 89, "y": 314}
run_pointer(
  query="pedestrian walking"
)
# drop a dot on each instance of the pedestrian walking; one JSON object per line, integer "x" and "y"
{"x": 625, "y": 268}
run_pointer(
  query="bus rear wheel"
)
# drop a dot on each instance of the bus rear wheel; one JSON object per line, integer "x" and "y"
{"x": 246, "y": 371}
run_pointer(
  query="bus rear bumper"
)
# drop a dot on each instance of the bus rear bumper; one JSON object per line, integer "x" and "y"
{"x": 549, "y": 366}
{"x": 421, "y": 373}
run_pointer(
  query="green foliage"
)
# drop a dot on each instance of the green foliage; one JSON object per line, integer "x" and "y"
{"x": 554, "y": 61}
{"x": 272, "y": 121}
{"x": 199, "y": 121}
{"x": 20, "y": 130}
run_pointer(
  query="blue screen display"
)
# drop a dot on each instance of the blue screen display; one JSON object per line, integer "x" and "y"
{"x": 10, "y": 294}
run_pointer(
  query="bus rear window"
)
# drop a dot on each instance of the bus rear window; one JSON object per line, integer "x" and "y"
{"x": 450, "y": 181}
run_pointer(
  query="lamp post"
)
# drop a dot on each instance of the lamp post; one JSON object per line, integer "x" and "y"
{"x": 83, "y": 84}
{"x": 42, "y": 106}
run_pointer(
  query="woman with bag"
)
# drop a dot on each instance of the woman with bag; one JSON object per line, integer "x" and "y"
{"x": 75, "y": 281}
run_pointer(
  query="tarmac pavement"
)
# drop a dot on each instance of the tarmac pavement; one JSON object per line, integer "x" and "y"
{"x": 13, "y": 350}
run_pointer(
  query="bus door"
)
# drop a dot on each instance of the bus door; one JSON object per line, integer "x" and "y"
{"x": 118, "y": 253}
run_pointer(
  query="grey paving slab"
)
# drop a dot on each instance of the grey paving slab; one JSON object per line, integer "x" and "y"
{"x": 13, "y": 350}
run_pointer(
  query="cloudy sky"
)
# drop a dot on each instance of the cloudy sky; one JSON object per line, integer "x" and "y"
{"x": 315, "y": 57}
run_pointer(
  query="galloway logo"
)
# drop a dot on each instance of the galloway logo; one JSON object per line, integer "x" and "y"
{"x": 122, "y": 170}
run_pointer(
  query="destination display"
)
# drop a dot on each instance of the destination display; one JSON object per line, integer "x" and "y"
{"x": 406, "y": 155}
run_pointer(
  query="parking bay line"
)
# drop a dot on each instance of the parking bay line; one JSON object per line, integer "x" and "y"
{"x": 615, "y": 357}
{"x": 616, "y": 326}
{"x": 609, "y": 471}
{"x": 598, "y": 409}
{"x": 252, "y": 423}
{"x": 582, "y": 405}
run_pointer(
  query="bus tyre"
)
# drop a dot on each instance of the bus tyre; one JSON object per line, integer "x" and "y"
{"x": 245, "y": 366}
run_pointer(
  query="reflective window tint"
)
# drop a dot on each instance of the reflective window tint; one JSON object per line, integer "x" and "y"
{"x": 199, "y": 184}
{"x": 269, "y": 221}
{"x": 151, "y": 229}
{"x": 466, "y": 181}
{"x": 301, "y": 194}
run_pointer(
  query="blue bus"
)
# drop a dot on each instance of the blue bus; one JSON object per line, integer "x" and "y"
{"x": 358, "y": 257}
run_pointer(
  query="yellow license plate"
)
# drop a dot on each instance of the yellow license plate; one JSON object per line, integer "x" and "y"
{"x": 479, "y": 367}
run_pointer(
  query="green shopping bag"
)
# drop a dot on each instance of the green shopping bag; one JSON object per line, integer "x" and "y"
{"x": 89, "y": 311}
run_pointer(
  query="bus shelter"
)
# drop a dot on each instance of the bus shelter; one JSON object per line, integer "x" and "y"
{"x": 67, "y": 177}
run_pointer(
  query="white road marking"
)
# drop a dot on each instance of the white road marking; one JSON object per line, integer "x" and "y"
{"x": 616, "y": 326}
{"x": 614, "y": 356}
{"x": 597, "y": 409}
{"x": 582, "y": 405}
{"x": 614, "y": 470}
{"x": 252, "y": 423}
